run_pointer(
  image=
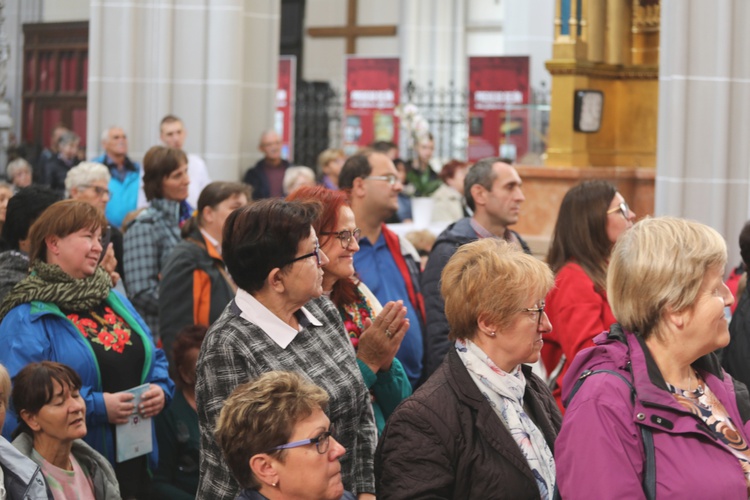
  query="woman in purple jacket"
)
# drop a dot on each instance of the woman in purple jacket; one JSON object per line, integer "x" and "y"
{"x": 665, "y": 288}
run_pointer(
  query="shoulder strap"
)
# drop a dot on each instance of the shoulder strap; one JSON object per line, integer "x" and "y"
{"x": 649, "y": 466}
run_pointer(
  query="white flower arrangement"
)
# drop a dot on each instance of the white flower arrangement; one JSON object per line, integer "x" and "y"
{"x": 413, "y": 122}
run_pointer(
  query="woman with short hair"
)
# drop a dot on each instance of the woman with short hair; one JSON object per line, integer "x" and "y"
{"x": 19, "y": 174}
{"x": 66, "y": 311}
{"x": 593, "y": 216}
{"x": 279, "y": 321}
{"x": 483, "y": 425}
{"x": 330, "y": 163}
{"x": 278, "y": 441}
{"x": 153, "y": 234}
{"x": 663, "y": 393}
{"x": 52, "y": 424}
{"x": 195, "y": 286}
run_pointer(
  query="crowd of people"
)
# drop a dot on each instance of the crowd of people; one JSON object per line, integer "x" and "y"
{"x": 166, "y": 336}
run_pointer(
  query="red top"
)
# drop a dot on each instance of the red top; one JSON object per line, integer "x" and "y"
{"x": 578, "y": 313}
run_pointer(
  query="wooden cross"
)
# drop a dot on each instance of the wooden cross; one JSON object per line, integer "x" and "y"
{"x": 351, "y": 31}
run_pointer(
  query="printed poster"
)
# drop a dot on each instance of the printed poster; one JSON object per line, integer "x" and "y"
{"x": 372, "y": 94}
{"x": 498, "y": 121}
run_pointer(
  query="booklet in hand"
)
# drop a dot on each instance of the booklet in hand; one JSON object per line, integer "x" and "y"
{"x": 134, "y": 437}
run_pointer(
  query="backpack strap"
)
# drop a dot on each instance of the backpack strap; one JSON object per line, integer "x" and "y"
{"x": 649, "y": 465}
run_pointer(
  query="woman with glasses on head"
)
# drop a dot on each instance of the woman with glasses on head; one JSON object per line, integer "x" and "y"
{"x": 483, "y": 425}
{"x": 279, "y": 442}
{"x": 375, "y": 331}
{"x": 279, "y": 321}
{"x": 593, "y": 216}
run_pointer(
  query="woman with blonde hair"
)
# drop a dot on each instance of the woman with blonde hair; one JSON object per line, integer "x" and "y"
{"x": 651, "y": 413}
{"x": 483, "y": 423}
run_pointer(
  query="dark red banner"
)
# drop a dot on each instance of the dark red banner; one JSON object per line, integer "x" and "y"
{"x": 372, "y": 93}
{"x": 498, "y": 119}
{"x": 285, "y": 104}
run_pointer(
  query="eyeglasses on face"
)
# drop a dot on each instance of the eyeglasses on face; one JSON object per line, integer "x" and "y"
{"x": 538, "y": 312}
{"x": 390, "y": 178}
{"x": 100, "y": 191}
{"x": 315, "y": 252}
{"x": 623, "y": 208}
{"x": 345, "y": 236}
{"x": 322, "y": 442}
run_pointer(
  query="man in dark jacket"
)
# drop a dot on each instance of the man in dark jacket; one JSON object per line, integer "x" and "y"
{"x": 493, "y": 192}
{"x": 734, "y": 356}
{"x": 267, "y": 176}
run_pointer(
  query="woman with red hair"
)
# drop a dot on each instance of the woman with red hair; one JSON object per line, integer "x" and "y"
{"x": 375, "y": 331}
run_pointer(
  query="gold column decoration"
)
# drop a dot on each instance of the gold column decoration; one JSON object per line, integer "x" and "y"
{"x": 595, "y": 24}
{"x": 646, "y": 33}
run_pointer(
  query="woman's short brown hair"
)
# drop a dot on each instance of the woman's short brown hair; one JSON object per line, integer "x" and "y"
{"x": 493, "y": 279}
{"x": 34, "y": 387}
{"x": 261, "y": 415}
{"x": 61, "y": 219}
{"x": 159, "y": 162}
{"x": 659, "y": 264}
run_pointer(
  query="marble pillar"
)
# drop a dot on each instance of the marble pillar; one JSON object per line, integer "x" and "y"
{"x": 703, "y": 154}
{"x": 213, "y": 63}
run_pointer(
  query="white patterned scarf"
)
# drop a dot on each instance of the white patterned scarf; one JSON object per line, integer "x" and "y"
{"x": 504, "y": 392}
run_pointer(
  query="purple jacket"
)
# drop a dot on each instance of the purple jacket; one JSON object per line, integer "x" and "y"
{"x": 599, "y": 452}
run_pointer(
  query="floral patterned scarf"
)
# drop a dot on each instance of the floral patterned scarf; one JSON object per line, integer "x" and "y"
{"x": 504, "y": 391}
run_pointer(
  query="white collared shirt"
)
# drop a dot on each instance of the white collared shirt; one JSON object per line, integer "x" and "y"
{"x": 256, "y": 313}
{"x": 211, "y": 240}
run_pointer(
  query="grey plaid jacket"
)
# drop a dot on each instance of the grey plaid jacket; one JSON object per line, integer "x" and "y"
{"x": 148, "y": 242}
{"x": 236, "y": 351}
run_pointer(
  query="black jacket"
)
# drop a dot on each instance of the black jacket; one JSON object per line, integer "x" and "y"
{"x": 436, "y": 332}
{"x": 258, "y": 179}
{"x": 446, "y": 441}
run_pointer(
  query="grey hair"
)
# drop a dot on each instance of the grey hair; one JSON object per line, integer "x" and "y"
{"x": 293, "y": 173}
{"x": 16, "y": 166}
{"x": 84, "y": 174}
{"x": 105, "y": 133}
{"x": 68, "y": 138}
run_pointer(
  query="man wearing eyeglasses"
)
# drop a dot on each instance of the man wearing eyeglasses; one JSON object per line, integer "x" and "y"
{"x": 493, "y": 192}
{"x": 267, "y": 176}
{"x": 385, "y": 262}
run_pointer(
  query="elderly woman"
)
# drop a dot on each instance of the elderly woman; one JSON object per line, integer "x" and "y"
{"x": 154, "y": 233}
{"x": 482, "y": 426}
{"x": 278, "y": 321}
{"x": 177, "y": 427}
{"x": 330, "y": 163}
{"x": 89, "y": 182}
{"x": 19, "y": 174}
{"x": 52, "y": 423}
{"x": 375, "y": 332}
{"x": 297, "y": 176}
{"x": 278, "y": 441}
{"x": 663, "y": 394}
{"x": 592, "y": 217}
{"x": 66, "y": 311}
{"x": 195, "y": 286}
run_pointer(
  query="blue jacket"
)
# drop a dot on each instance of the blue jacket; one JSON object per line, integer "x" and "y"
{"x": 123, "y": 195}
{"x": 38, "y": 331}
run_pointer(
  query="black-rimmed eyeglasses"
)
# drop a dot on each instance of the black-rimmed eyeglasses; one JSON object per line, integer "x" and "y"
{"x": 390, "y": 178}
{"x": 623, "y": 208}
{"x": 345, "y": 236}
{"x": 315, "y": 252}
{"x": 322, "y": 442}
{"x": 538, "y": 312}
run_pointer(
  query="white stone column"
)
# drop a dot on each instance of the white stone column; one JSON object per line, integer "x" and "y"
{"x": 703, "y": 156}
{"x": 213, "y": 63}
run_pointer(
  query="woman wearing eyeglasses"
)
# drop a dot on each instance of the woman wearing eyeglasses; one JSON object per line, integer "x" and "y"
{"x": 279, "y": 321}
{"x": 375, "y": 331}
{"x": 278, "y": 441}
{"x": 593, "y": 216}
{"x": 483, "y": 425}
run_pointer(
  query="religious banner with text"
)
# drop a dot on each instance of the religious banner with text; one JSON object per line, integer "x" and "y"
{"x": 372, "y": 94}
{"x": 498, "y": 107}
{"x": 284, "y": 119}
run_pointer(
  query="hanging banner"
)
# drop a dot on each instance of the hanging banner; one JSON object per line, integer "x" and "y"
{"x": 372, "y": 94}
{"x": 498, "y": 107}
{"x": 284, "y": 119}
